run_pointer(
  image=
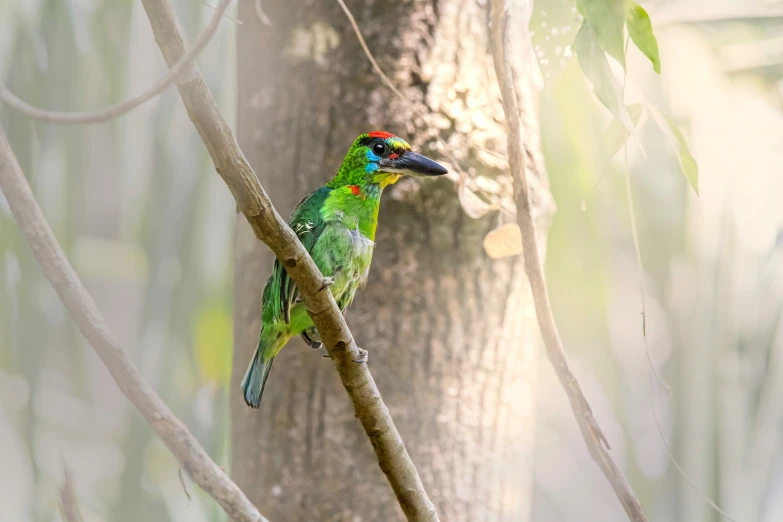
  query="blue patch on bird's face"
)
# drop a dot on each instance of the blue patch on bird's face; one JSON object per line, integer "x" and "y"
{"x": 372, "y": 161}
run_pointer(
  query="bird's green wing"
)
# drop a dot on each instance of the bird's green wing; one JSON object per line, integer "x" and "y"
{"x": 306, "y": 221}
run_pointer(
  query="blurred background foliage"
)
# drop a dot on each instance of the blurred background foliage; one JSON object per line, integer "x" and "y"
{"x": 147, "y": 224}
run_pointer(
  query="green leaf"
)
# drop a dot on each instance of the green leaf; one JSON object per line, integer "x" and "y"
{"x": 606, "y": 18}
{"x": 640, "y": 29}
{"x": 616, "y": 134}
{"x": 688, "y": 165}
{"x": 595, "y": 66}
{"x": 690, "y": 169}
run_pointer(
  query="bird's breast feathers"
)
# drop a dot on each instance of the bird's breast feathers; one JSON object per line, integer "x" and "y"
{"x": 360, "y": 243}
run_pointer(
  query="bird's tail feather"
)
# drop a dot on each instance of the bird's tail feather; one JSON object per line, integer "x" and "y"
{"x": 254, "y": 381}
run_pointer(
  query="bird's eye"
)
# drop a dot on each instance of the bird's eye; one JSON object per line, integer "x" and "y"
{"x": 379, "y": 149}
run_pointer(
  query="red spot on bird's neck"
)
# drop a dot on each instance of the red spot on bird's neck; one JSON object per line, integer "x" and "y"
{"x": 355, "y": 189}
{"x": 381, "y": 134}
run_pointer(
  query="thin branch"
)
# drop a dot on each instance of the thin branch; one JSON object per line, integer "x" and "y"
{"x": 382, "y": 75}
{"x": 643, "y": 292}
{"x": 654, "y": 371}
{"x": 261, "y": 14}
{"x": 59, "y": 272}
{"x": 68, "y": 503}
{"x": 444, "y": 147}
{"x": 638, "y": 250}
{"x": 268, "y": 226}
{"x": 676, "y": 464}
{"x": 182, "y": 483}
{"x": 591, "y": 432}
{"x": 226, "y": 15}
{"x": 374, "y": 63}
{"x": 113, "y": 111}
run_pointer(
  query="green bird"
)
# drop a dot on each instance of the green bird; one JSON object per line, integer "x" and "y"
{"x": 336, "y": 224}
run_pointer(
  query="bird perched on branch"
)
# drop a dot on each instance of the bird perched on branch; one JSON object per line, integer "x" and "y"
{"x": 336, "y": 224}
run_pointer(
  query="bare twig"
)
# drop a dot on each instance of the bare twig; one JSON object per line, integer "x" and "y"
{"x": 654, "y": 371}
{"x": 68, "y": 503}
{"x": 183, "y": 484}
{"x": 676, "y": 464}
{"x": 591, "y": 432}
{"x": 261, "y": 14}
{"x": 382, "y": 75}
{"x": 225, "y": 15}
{"x": 643, "y": 293}
{"x": 59, "y": 272}
{"x": 375, "y": 66}
{"x": 444, "y": 147}
{"x": 640, "y": 269}
{"x": 113, "y": 111}
{"x": 268, "y": 226}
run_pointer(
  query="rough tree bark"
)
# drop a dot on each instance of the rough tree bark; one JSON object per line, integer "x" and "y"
{"x": 452, "y": 333}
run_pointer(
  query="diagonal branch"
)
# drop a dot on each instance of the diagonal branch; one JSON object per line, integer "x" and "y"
{"x": 591, "y": 431}
{"x": 56, "y": 268}
{"x": 268, "y": 226}
{"x": 113, "y": 111}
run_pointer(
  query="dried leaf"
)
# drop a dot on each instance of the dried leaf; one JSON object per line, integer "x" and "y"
{"x": 504, "y": 241}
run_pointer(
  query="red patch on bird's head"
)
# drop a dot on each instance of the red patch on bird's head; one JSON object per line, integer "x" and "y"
{"x": 356, "y": 189}
{"x": 394, "y": 156}
{"x": 381, "y": 134}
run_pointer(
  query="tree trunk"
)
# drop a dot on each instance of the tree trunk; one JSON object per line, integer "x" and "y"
{"x": 451, "y": 333}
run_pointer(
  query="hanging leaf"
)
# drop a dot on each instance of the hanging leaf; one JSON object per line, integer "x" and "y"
{"x": 616, "y": 134}
{"x": 504, "y": 241}
{"x": 473, "y": 205}
{"x": 688, "y": 165}
{"x": 690, "y": 168}
{"x": 640, "y": 29}
{"x": 606, "y": 19}
{"x": 595, "y": 66}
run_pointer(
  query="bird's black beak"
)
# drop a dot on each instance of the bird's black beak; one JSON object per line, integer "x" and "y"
{"x": 413, "y": 164}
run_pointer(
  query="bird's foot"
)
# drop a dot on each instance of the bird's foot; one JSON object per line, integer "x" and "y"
{"x": 364, "y": 356}
{"x": 327, "y": 282}
{"x": 312, "y": 343}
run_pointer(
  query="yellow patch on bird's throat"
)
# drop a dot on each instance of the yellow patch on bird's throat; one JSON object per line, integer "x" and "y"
{"x": 384, "y": 179}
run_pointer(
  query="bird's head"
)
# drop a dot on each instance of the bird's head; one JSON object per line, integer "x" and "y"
{"x": 382, "y": 158}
